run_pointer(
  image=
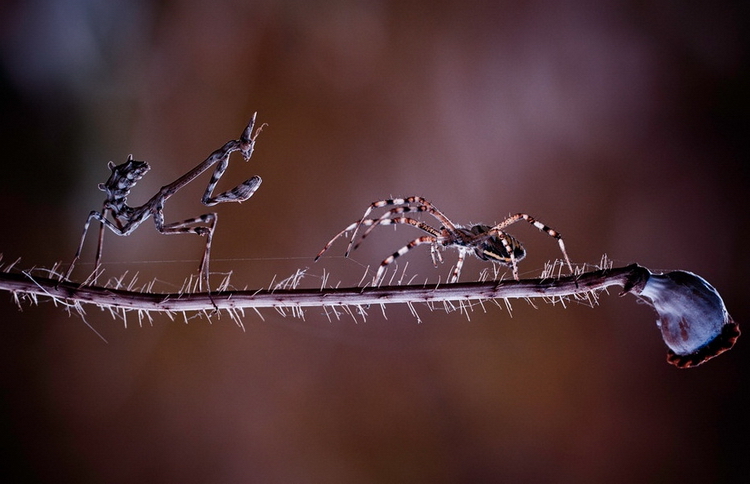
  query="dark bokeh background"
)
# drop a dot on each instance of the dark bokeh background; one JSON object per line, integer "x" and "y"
{"x": 622, "y": 124}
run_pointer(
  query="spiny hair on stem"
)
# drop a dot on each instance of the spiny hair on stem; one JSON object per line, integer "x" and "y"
{"x": 285, "y": 294}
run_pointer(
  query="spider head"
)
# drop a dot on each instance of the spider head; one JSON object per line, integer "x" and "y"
{"x": 493, "y": 249}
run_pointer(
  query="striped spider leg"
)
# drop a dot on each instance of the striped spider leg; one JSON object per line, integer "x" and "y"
{"x": 125, "y": 219}
{"x": 483, "y": 241}
{"x": 487, "y": 235}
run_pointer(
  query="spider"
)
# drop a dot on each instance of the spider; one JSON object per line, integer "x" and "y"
{"x": 483, "y": 241}
{"x": 125, "y": 219}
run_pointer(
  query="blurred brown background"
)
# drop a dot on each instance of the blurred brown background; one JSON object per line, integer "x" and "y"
{"x": 624, "y": 125}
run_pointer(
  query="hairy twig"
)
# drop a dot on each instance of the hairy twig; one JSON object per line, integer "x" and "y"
{"x": 693, "y": 320}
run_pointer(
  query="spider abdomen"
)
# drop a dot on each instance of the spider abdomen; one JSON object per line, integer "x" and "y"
{"x": 498, "y": 248}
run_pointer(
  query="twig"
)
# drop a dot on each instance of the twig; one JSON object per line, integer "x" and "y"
{"x": 693, "y": 320}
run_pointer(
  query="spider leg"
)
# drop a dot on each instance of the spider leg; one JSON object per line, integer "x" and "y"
{"x": 373, "y": 206}
{"x": 373, "y": 222}
{"x": 396, "y": 211}
{"x": 330, "y": 242}
{"x": 498, "y": 229}
{"x": 404, "y": 205}
{"x": 355, "y": 226}
{"x": 425, "y": 239}
{"x": 459, "y": 266}
{"x": 511, "y": 253}
{"x": 435, "y": 254}
{"x": 420, "y": 205}
{"x": 396, "y": 220}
